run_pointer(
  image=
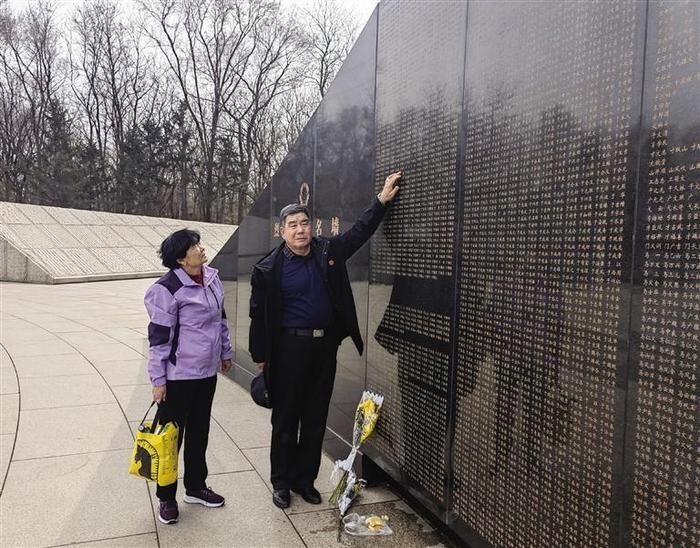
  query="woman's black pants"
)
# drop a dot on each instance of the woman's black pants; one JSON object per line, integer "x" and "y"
{"x": 188, "y": 403}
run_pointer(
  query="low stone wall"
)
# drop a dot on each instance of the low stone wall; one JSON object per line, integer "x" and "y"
{"x": 42, "y": 244}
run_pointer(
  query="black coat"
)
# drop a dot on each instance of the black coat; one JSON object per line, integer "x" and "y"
{"x": 330, "y": 255}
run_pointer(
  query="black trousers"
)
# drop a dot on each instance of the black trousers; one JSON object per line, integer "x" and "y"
{"x": 188, "y": 403}
{"x": 302, "y": 385}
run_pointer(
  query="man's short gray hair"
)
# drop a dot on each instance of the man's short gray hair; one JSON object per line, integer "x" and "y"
{"x": 292, "y": 209}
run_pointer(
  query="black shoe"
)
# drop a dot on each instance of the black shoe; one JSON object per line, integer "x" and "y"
{"x": 309, "y": 494}
{"x": 281, "y": 498}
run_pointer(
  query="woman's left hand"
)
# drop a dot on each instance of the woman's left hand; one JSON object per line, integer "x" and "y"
{"x": 225, "y": 366}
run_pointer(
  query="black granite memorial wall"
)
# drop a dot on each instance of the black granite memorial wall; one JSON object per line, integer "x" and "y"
{"x": 549, "y": 177}
{"x": 531, "y": 303}
{"x": 343, "y": 186}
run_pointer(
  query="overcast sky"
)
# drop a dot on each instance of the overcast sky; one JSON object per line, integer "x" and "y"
{"x": 362, "y": 8}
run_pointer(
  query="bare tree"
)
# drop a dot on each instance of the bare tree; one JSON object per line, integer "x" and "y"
{"x": 36, "y": 54}
{"x": 15, "y": 122}
{"x": 206, "y": 45}
{"x": 272, "y": 71}
{"x": 29, "y": 58}
{"x": 330, "y": 34}
{"x": 112, "y": 87}
{"x": 191, "y": 122}
{"x": 85, "y": 61}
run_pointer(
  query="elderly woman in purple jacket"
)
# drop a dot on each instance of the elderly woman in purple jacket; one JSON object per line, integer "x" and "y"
{"x": 189, "y": 342}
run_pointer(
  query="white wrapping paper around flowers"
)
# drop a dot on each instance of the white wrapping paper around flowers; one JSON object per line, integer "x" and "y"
{"x": 344, "y": 468}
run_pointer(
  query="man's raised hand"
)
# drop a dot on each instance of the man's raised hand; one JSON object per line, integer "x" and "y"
{"x": 391, "y": 188}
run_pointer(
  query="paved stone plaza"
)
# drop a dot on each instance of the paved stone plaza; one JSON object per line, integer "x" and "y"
{"x": 74, "y": 386}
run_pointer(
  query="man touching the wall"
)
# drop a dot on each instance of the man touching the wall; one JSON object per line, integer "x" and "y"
{"x": 301, "y": 308}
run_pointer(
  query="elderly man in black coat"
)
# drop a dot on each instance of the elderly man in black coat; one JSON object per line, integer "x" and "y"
{"x": 301, "y": 308}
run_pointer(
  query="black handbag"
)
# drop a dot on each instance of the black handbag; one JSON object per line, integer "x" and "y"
{"x": 259, "y": 391}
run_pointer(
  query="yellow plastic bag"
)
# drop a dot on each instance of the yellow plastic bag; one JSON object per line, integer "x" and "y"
{"x": 155, "y": 451}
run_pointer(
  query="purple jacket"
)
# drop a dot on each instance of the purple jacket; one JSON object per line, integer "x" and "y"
{"x": 188, "y": 334}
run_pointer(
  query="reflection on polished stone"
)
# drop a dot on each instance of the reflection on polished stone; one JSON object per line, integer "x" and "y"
{"x": 417, "y": 130}
{"x": 342, "y": 189}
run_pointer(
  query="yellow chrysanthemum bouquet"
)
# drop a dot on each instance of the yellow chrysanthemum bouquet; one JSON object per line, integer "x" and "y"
{"x": 347, "y": 485}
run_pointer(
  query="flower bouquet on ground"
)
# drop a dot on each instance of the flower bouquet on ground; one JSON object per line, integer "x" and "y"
{"x": 347, "y": 485}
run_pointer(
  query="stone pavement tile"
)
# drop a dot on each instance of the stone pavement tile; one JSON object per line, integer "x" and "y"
{"x": 247, "y": 519}
{"x": 20, "y": 315}
{"x": 134, "y": 400}
{"x": 13, "y": 308}
{"x": 260, "y": 457}
{"x": 86, "y": 313}
{"x": 371, "y": 495}
{"x": 16, "y": 307}
{"x": 5, "y": 360}
{"x": 122, "y": 333}
{"x": 222, "y": 455}
{"x": 53, "y": 366}
{"x": 375, "y": 494}
{"x": 111, "y": 351}
{"x": 323, "y": 529}
{"x": 129, "y": 337}
{"x": 91, "y": 497}
{"x": 129, "y": 299}
{"x": 51, "y": 316}
{"x": 140, "y": 345}
{"x": 379, "y": 493}
{"x": 64, "y": 391}
{"x": 54, "y": 322}
{"x": 21, "y": 335}
{"x": 96, "y": 320}
{"x": 8, "y": 377}
{"x": 7, "y": 442}
{"x": 86, "y": 339}
{"x": 18, "y": 348}
{"x": 9, "y": 412}
{"x": 70, "y": 430}
{"x": 148, "y": 540}
{"x": 247, "y": 424}
{"x": 229, "y": 392}
{"x": 139, "y": 319}
{"x": 134, "y": 541}
{"x": 123, "y": 372}
{"x": 64, "y": 325}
